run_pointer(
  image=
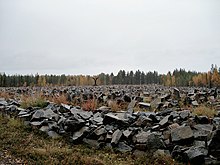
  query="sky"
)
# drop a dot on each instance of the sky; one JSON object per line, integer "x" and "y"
{"x": 94, "y": 36}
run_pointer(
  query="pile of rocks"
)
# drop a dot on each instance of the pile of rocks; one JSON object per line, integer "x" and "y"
{"x": 186, "y": 137}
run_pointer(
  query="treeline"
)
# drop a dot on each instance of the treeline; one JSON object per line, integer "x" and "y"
{"x": 179, "y": 77}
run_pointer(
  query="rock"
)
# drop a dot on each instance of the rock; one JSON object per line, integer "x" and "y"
{"x": 164, "y": 112}
{"x": 44, "y": 129}
{"x": 196, "y": 155}
{"x": 3, "y": 102}
{"x": 184, "y": 114}
{"x": 214, "y": 144}
{"x": 202, "y": 131}
{"x": 99, "y": 131}
{"x": 124, "y": 148}
{"x": 182, "y": 134}
{"x": 36, "y": 123}
{"x": 202, "y": 120}
{"x": 127, "y": 98}
{"x": 38, "y": 114}
{"x": 144, "y": 105}
{"x": 176, "y": 93}
{"x": 79, "y": 135}
{"x": 173, "y": 126}
{"x": 112, "y": 119}
{"x": 53, "y": 134}
{"x": 139, "y": 153}
{"x": 116, "y": 137}
{"x": 85, "y": 115}
{"x": 92, "y": 143}
{"x": 73, "y": 124}
{"x": 195, "y": 103}
{"x": 141, "y": 137}
{"x": 153, "y": 142}
{"x": 166, "y": 121}
{"x": 143, "y": 121}
{"x": 179, "y": 154}
{"x": 127, "y": 133}
{"x": 49, "y": 114}
{"x": 98, "y": 119}
{"x": 131, "y": 106}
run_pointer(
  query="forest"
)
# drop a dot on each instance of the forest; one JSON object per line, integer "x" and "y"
{"x": 179, "y": 77}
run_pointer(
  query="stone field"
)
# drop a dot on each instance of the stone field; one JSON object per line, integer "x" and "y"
{"x": 147, "y": 118}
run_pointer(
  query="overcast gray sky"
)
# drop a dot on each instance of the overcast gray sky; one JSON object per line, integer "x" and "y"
{"x": 94, "y": 36}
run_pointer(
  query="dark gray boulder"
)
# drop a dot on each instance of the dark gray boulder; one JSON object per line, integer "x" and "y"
{"x": 196, "y": 155}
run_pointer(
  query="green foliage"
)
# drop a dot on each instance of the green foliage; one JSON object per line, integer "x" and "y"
{"x": 179, "y": 77}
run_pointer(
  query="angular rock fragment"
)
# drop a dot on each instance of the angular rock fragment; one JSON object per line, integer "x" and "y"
{"x": 182, "y": 134}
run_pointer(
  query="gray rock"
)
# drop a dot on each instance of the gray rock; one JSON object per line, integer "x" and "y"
{"x": 100, "y": 131}
{"x": 214, "y": 145}
{"x": 166, "y": 121}
{"x": 141, "y": 137}
{"x": 92, "y": 143}
{"x": 116, "y": 137}
{"x": 154, "y": 142}
{"x": 49, "y": 114}
{"x": 195, "y": 103}
{"x": 112, "y": 119}
{"x": 184, "y": 114}
{"x": 143, "y": 121}
{"x": 202, "y": 131}
{"x": 131, "y": 106}
{"x": 124, "y": 148}
{"x": 3, "y": 102}
{"x": 182, "y": 134}
{"x": 73, "y": 124}
{"x": 44, "y": 129}
{"x": 38, "y": 114}
{"x": 176, "y": 93}
{"x": 144, "y": 105}
{"x": 53, "y": 134}
{"x": 196, "y": 155}
{"x": 79, "y": 135}
{"x": 127, "y": 133}
{"x": 36, "y": 123}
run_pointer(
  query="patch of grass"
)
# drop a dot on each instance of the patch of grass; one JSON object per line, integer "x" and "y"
{"x": 89, "y": 105}
{"x": 5, "y": 95}
{"x": 33, "y": 101}
{"x": 30, "y": 147}
{"x": 114, "y": 106}
{"x": 204, "y": 111}
{"x": 59, "y": 99}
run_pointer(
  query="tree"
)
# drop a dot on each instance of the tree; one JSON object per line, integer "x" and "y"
{"x": 95, "y": 78}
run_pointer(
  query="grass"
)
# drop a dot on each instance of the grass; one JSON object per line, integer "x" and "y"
{"x": 33, "y": 101}
{"x": 59, "y": 99}
{"x": 30, "y": 146}
{"x": 5, "y": 95}
{"x": 89, "y": 105}
{"x": 204, "y": 111}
